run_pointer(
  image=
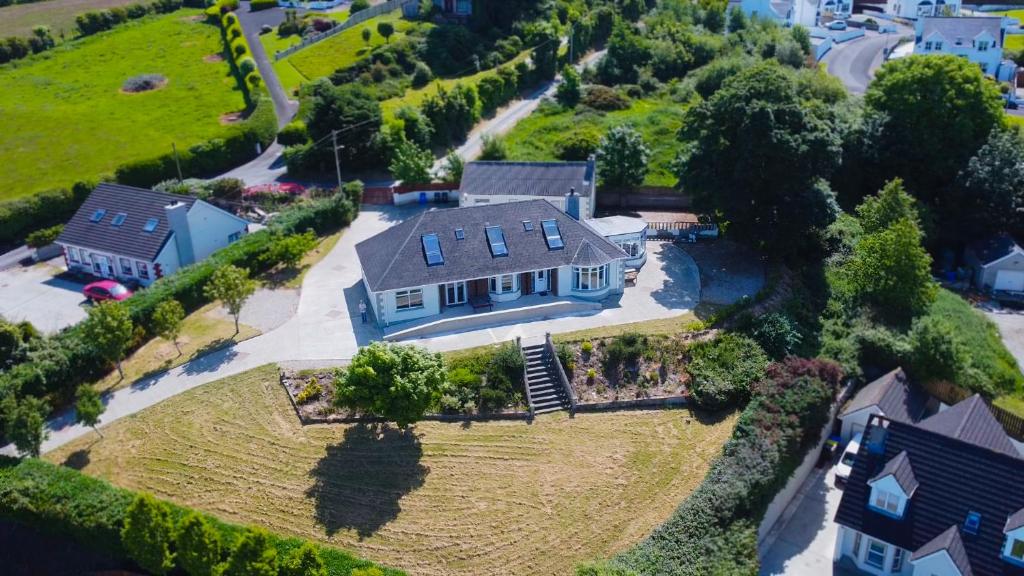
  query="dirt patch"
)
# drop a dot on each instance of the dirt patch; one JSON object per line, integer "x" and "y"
{"x": 214, "y": 58}
{"x": 144, "y": 83}
{"x": 728, "y": 271}
{"x": 312, "y": 391}
{"x": 196, "y": 18}
{"x": 231, "y": 118}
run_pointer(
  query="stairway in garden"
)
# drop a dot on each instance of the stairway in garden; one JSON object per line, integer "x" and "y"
{"x": 542, "y": 385}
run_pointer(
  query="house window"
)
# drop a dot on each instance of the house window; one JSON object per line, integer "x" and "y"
{"x": 143, "y": 269}
{"x": 876, "y": 554}
{"x": 588, "y": 278}
{"x": 887, "y": 501}
{"x": 982, "y": 46}
{"x": 455, "y": 293}
{"x": 856, "y": 544}
{"x": 150, "y": 225}
{"x": 409, "y": 299}
{"x": 118, "y": 219}
{"x": 126, "y": 266}
{"x": 98, "y": 215}
{"x": 927, "y": 45}
{"x": 73, "y": 254}
{"x": 504, "y": 284}
{"x": 938, "y": 45}
{"x": 632, "y": 247}
{"x": 233, "y": 237}
{"x": 897, "y": 560}
{"x": 1017, "y": 549}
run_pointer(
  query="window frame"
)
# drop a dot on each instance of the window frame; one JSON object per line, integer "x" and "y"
{"x": 73, "y": 255}
{"x": 496, "y": 284}
{"x": 1013, "y": 546}
{"x": 591, "y": 273}
{"x": 870, "y": 549}
{"x": 126, "y": 270}
{"x": 143, "y": 269}
{"x": 410, "y": 296}
{"x": 886, "y": 498}
{"x": 897, "y": 560}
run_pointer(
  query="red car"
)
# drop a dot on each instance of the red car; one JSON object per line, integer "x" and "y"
{"x": 106, "y": 290}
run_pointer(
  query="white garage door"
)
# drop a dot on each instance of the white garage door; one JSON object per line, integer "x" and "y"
{"x": 1010, "y": 280}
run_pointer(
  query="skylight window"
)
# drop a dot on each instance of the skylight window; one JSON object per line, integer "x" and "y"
{"x": 432, "y": 250}
{"x": 972, "y": 523}
{"x": 527, "y": 225}
{"x": 460, "y": 234}
{"x": 98, "y": 215}
{"x": 552, "y": 235}
{"x": 496, "y": 238}
{"x": 118, "y": 219}
{"x": 150, "y": 225}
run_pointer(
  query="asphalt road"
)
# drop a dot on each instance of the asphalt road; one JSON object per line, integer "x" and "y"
{"x": 251, "y": 24}
{"x": 856, "y": 61}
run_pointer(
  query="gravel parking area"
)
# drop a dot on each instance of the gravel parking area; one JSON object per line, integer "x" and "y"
{"x": 728, "y": 271}
{"x": 1011, "y": 327}
{"x": 37, "y": 294}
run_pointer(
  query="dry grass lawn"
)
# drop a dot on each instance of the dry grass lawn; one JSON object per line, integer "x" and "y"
{"x": 481, "y": 498}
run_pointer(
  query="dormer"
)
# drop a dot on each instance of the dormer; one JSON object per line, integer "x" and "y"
{"x": 1013, "y": 546}
{"x": 984, "y": 41}
{"x": 944, "y": 554}
{"x": 893, "y": 487}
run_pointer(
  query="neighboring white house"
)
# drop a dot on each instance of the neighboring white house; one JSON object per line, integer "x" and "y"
{"x": 939, "y": 498}
{"x": 892, "y": 396}
{"x": 569, "y": 186}
{"x": 997, "y": 264}
{"x": 979, "y": 39}
{"x": 478, "y": 255}
{"x": 914, "y": 9}
{"x": 134, "y": 234}
{"x": 791, "y": 12}
{"x": 627, "y": 233}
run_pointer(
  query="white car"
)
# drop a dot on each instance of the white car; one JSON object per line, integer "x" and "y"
{"x": 846, "y": 461}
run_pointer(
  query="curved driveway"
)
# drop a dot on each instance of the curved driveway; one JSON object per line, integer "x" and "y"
{"x": 855, "y": 62}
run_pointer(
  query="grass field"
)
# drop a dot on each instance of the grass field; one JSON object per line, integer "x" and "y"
{"x": 59, "y": 15}
{"x": 535, "y": 137}
{"x": 65, "y": 117}
{"x": 479, "y": 498}
{"x": 339, "y": 51}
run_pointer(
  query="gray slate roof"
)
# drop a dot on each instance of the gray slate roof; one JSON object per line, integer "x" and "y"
{"x": 128, "y": 239}
{"x": 950, "y": 542}
{"x": 900, "y": 469}
{"x": 989, "y": 250}
{"x": 971, "y": 421}
{"x": 963, "y": 27}
{"x": 1014, "y": 521}
{"x": 894, "y": 394}
{"x": 527, "y": 178}
{"x": 394, "y": 258}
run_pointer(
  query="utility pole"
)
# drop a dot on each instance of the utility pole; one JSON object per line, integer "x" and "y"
{"x": 176, "y": 161}
{"x": 571, "y": 26}
{"x": 337, "y": 160}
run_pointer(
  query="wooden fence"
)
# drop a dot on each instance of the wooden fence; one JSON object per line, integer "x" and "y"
{"x": 357, "y": 18}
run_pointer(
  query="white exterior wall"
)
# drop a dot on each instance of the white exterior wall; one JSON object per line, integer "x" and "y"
{"x": 210, "y": 228}
{"x": 988, "y": 59}
{"x": 845, "y": 540}
{"x": 167, "y": 259}
{"x": 938, "y": 564}
{"x": 1017, "y": 534}
{"x": 640, "y": 238}
{"x": 913, "y": 9}
{"x": 117, "y": 273}
{"x": 391, "y": 315}
{"x": 857, "y": 421}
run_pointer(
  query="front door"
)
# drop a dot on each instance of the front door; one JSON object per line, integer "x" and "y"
{"x": 540, "y": 281}
{"x": 101, "y": 265}
{"x": 455, "y": 293}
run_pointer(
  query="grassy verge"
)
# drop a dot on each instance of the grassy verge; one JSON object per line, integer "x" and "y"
{"x": 484, "y": 498}
{"x": 66, "y": 119}
{"x": 313, "y": 257}
{"x": 675, "y": 325}
{"x": 59, "y": 15}
{"x": 535, "y": 137}
{"x": 202, "y": 331}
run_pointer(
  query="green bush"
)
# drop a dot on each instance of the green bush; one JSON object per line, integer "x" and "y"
{"x": 198, "y": 545}
{"x": 625, "y": 349}
{"x": 722, "y": 370}
{"x": 311, "y": 391}
{"x": 777, "y": 335}
{"x": 358, "y": 6}
{"x": 578, "y": 144}
{"x": 246, "y": 66}
{"x": 21, "y": 216}
{"x": 148, "y": 534}
{"x": 604, "y": 98}
{"x": 257, "y": 5}
{"x": 44, "y": 237}
{"x": 293, "y": 133}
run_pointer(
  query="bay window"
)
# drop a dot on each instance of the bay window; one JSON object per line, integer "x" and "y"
{"x": 409, "y": 299}
{"x": 589, "y": 278}
{"x": 504, "y": 284}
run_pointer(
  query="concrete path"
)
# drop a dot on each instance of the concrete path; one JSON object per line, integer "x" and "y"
{"x": 36, "y": 293}
{"x": 326, "y": 327}
{"x": 14, "y": 257}
{"x": 802, "y": 542}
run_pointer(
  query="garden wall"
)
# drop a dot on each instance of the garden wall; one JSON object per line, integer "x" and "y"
{"x": 644, "y": 197}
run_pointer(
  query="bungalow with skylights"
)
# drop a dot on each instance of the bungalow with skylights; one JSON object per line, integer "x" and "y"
{"x": 138, "y": 235}
{"x": 480, "y": 255}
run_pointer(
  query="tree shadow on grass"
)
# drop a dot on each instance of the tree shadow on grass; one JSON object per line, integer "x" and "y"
{"x": 359, "y": 483}
{"x": 78, "y": 459}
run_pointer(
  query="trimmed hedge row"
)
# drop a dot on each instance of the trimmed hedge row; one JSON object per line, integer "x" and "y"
{"x": 257, "y": 5}
{"x": 66, "y": 502}
{"x": 95, "y": 21}
{"x": 21, "y": 216}
{"x": 715, "y": 530}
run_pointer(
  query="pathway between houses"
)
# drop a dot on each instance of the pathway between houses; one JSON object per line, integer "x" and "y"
{"x": 326, "y": 327}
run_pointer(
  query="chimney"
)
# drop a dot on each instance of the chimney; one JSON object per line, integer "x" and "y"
{"x": 177, "y": 219}
{"x": 572, "y": 204}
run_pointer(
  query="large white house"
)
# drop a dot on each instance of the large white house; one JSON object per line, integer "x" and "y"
{"x": 569, "y": 186}
{"x": 978, "y": 39}
{"x": 478, "y": 255}
{"x": 792, "y": 12}
{"x": 939, "y": 498}
{"x": 914, "y": 9}
{"x": 134, "y": 234}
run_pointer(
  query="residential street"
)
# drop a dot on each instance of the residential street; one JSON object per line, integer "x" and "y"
{"x": 855, "y": 62}
{"x": 251, "y": 24}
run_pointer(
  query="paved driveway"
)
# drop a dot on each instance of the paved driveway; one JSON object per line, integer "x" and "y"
{"x": 1011, "y": 327}
{"x": 803, "y": 541}
{"x": 36, "y": 294}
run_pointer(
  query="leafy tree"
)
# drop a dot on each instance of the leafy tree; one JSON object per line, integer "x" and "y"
{"x": 415, "y": 126}
{"x": 777, "y": 334}
{"x": 303, "y": 561}
{"x": 167, "y": 319}
{"x": 396, "y": 382}
{"x": 452, "y": 113}
{"x": 632, "y": 10}
{"x": 350, "y": 110}
{"x": 938, "y": 111}
{"x": 232, "y": 286}
{"x": 289, "y": 250}
{"x": 108, "y": 332}
{"x": 386, "y": 30}
{"x": 88, "y": 407}
{"x": 198, "y": 546}
{"x": 992, "y": 185}
{"x": 714, "y": 15}
{"x": 148, "y": 533}
{"x": 454, "y": 165}
{"x": 890, "y": 205}
{"x": 789, "y": 53}
{"x": 26, "y": 426}
{"x": 758, "y": 155}
{"x": 622, "y": 157}
{"x": 358, "y": 6}
{"x": 545, "y": 54}
{"x": 252, "y": 555}
{"x": 411, "y": 164}
{"x": 724, "y": 369}
{"x": 493, "y": 148}
{"x": 367, "y": 34}
{"x": 628, "y": 51}
{"x": 568, "y": 92}
{"x": 737, "y": 20}
{"x": 890, "y": 271}
{"x": 802, "y": 36}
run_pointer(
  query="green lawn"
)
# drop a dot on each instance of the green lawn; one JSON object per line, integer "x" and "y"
{"x": 658, "y": 121}
{"x": 339, "y": 51}
{"x": 65, "y": 117}
{"x": 59, "y": 15}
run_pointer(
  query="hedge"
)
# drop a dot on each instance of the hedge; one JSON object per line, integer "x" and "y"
{"x": 21, "y": 216}
{"x": 715, "y": 530}
{"x": 257, "y": 5}
{"x": 68, "y": 503}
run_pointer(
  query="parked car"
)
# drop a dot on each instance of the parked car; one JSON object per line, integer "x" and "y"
{"x": 106, "y": 290}
{"x": 837, "y": 25}
{"x": 846, "y": 461}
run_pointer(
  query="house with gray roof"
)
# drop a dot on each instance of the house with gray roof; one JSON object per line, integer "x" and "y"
{"x": 138, "y": 235}
{"x": 893, "y": 395}
{"x": 569, "y": 186}
{"x": 940, "y": 498}
{"x": 484, "y": 254}
{"x": 978, "y": 39}
{"x": 996, "y": 264}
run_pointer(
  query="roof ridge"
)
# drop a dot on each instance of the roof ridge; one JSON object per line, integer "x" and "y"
{"x": 394, "y": 257}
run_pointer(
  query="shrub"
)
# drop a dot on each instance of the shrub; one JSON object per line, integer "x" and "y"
{"x": 493, "y": 148}
{"x": 578, "y": 144}
{"x": 143, "y": 82}
{"x": 566, "y": 356}
{"x": 358, "y": 6}
{"x": 422, "y": 75}
{"x": 303, "y": 561}
{"x": 311, "y": 391}
{"x": 723, "y": 370}
{"x": 148, "y": 534}
{"x": 587, "y": 347}
{"x": 777, "y": 335}
{"x": 246, "y": 66}
{"x": 293, "y": 133}
{"x": 197, "y": 545}
{"x": 21, "y": 216}
{"x": 625, "y": 349}
{"x": 257, "y": 5}
{"x": 604, "y": 98}
{"x": 252, "y": 555}
{"x": 227, "y": 188}
{"x": 44, "y": 237}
